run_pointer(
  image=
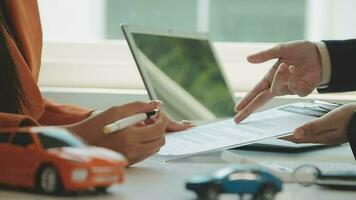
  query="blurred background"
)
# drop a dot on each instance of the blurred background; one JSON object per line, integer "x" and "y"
{"x": 225, "y": 20}
{"x": 84, "y": 36}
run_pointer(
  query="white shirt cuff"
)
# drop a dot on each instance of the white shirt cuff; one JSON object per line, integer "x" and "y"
{"x": 325, "y": 64}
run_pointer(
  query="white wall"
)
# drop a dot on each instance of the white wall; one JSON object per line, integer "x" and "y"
{"x": 331, "y": 19}
{"x": 72, "y": 20}
{"x": 109, "y": 64}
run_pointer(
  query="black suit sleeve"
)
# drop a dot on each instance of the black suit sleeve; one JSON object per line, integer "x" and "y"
{"x": 351, "y": 134}
{"x": 343, "y": 66}
{"x": 343, "y": 77}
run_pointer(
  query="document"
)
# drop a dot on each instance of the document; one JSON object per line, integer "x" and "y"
{"x": 225, "y": 134}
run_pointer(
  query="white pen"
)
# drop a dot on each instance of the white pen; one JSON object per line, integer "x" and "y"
{"x": 128, "y": 121}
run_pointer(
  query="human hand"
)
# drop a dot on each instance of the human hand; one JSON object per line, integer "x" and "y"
{"x": 173, "y": 126}
{"x": 135, "y": 142}
{"x": 297, "y": 71}
{"x": 329, "y": 129}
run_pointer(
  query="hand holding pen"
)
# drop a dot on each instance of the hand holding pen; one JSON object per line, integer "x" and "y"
{"x": 142, "y": 117}
{"x": 128, "y": 121}
{"x": 135, "y": 142}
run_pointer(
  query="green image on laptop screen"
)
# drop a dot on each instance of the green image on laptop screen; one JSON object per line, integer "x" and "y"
{"x": 185, "y": 75}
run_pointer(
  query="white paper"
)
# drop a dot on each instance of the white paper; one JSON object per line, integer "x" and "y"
{"x": 227, "y": 134}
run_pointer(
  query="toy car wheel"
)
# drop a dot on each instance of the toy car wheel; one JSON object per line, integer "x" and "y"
{"x": 101, "y": 189}
{"x": 267, "y": 192}
{"x": 210, "y": 194}
{"x": 49, "y": 181}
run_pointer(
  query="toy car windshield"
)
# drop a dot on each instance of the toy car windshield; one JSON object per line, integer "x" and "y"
{"x": 56, "y": 139}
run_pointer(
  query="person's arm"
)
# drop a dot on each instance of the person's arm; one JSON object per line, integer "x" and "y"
{"x": 62, "y": 114}
{"x": 351, "y": 133}
{"x": 8, "y": 120}
{"x": 343, "y": 66}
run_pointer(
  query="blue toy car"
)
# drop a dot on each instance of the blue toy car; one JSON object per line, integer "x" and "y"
{"x": 238, "y": 179}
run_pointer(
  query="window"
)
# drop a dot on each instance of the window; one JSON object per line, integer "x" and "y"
{"x": 238, "y": 28}
{"x": 60, "y": 139}
{"x": 4, "y": 137}
{"x": 22, "y": 139}
{"x": 180, "y": 15}
{"x": 225, "y": 20}
{"x": 256, "y": 20}
{"x": 238, "y": 176}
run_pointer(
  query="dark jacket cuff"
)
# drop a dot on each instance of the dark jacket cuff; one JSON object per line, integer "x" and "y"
{"x": 343, "y": 66}
{"x": 351, "y": 133}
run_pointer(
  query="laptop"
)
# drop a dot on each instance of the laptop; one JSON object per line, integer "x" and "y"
{"x": 182, "y": 70}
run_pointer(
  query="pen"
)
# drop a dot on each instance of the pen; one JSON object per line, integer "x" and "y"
{"x": 128, "y": 121}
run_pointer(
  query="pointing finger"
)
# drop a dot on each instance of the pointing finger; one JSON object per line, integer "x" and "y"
{"x": 264, "y": 84}
{"x": 266, "y": 55}
{"x": 257, "y": 102}
{"x": 261, "y": 86}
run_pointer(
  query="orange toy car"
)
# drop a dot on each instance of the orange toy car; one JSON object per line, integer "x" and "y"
{"x": 52, "y": 160}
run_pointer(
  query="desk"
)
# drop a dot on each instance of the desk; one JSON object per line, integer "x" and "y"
{"x": 340, "y": 153}
{"x": 154, "y": 180}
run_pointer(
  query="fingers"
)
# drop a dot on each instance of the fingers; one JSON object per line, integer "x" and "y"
{"x": 142, "y": 151}
{"x": 295, "y": 83}
{"x": 285, "y": 80}
{"x": 136, "y": 142}
{"x": 150, "y": 139}
{"x": 152, "y": 146}
{"x": 309, "y": 130}
{"x": 257, "y": 102}
{"x": 325, "y": 137}
{"x": 129, "y": 109}
{"x": 152, "y": 131}
{"x": 317, "y": 131}
{"x": 179, "y": 126}
{"x": 263, "y": 56}
{"x": 140, "y": 124}
{"x": 139, "y": 157}
{"x": 264, "y": 84}
{"x": 279, "y": 84}
{"x": 261, "y": 86}
{"x": 288, "y": 80}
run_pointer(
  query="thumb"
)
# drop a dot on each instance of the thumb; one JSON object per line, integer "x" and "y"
{"x": 310, "y": 130}
{"x": 266, "y": 55}
{"x": 160, "y": 123}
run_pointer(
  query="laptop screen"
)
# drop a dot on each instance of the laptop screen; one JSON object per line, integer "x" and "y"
{"x": 185, "y": 75}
